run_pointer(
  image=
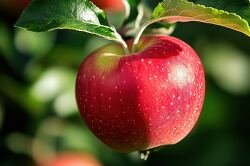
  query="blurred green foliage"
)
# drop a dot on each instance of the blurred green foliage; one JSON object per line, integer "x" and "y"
{"x": 38, "y": 114}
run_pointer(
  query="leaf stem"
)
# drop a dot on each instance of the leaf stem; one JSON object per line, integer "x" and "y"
{"x": 127, "y": 8}
{"x": 139, "y": 16}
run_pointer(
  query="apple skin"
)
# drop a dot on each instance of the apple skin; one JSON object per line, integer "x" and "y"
{"x": 14, "y": 6}
{"x": 111, "y": 5}
{"x": 72, "y": 159}
{"x": 142, "y": 100}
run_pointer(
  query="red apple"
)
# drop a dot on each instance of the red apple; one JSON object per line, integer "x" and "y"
{"x": 142, "y": 100}
{"x": 72, "y": 159}
{"x": 14, "y": 6}
{"x": 111, "y": 5}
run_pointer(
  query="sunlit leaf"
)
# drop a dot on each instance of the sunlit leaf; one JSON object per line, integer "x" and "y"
{"x": 183, "y": 11}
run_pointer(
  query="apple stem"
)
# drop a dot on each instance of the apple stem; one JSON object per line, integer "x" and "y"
{"x": 144, "y": 154}
{"x": 137, "y": 38}
{"x": 138, "y": 35}
{"x": 122, "y": 42}
{"x": 124, "y": 46}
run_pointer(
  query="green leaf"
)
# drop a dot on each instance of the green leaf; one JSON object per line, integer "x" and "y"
{"x": 240, "y": 7}
{"x": 183, "y": 11}
{"x": 80, "y": 15}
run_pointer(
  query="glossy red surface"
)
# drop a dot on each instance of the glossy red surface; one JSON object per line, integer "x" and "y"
{"x": 115, "y": 5}
{"x": 143, "y": 100}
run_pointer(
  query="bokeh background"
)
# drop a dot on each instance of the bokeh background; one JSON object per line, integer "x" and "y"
{"x": 38, "y": 115}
